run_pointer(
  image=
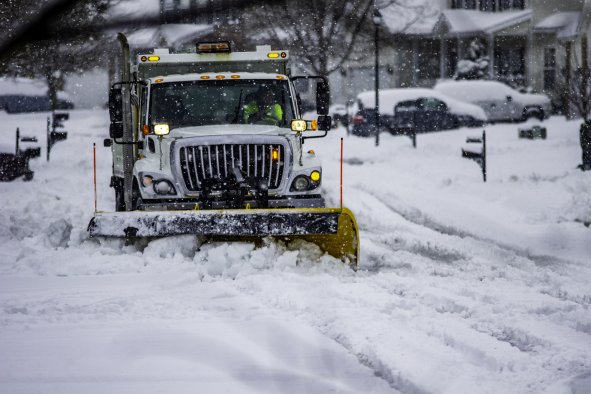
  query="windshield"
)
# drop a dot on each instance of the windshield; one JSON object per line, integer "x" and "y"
{"x": 200, "y": 103}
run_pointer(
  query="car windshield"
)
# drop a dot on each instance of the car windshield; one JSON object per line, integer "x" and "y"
{"x": 200, "y": 103}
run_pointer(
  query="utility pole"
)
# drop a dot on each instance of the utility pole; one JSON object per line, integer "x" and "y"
{"x": 377, "y": 21}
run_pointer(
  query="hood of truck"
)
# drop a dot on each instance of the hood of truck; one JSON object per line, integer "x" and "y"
{"x": 231, "y": 129}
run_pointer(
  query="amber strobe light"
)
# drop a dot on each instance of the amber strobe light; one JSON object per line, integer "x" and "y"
{"x": 213, "y": 47}
{"x": 275, "y": 154}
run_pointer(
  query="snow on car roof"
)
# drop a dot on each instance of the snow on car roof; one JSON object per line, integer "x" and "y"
{"x": 389, "y": 98}
{"x": 479, "y": 91}
{"x": 25, "y": 87}
{"x": 474, "y": 91}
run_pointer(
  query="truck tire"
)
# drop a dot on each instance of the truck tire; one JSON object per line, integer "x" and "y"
{"x": 533, "y": 112}
{"x": 136, "y": 198}
{"x": 28, "y": 176}
{"x": 119, "y": 198}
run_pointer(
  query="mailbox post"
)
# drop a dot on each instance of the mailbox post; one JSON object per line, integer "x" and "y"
{"x": 53, "y": 136}
{"x": 478, "y": 156}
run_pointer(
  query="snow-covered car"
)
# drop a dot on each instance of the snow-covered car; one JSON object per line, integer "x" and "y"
{"x": 418, "y": 108}
{"x": 500, "y": 102}
{"x": 27, "y": 95}
{"x": 338, "y": 113}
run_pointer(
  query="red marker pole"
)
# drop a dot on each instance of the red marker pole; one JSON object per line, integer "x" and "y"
{"x": 94, "y": 160}
{"x": 341, "y": 187}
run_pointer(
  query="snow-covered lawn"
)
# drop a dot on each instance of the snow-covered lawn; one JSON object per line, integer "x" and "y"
{"x": 464, "y": 286}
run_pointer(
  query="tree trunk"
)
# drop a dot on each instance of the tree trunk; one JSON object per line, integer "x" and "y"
{"x": 566, "y": 95}
{"x": 55, "y": 83}
{"x": 585, "y": 76}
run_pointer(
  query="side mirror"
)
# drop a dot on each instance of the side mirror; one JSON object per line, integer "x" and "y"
{"x": 107, "y": 142}
{"x": 116, "y": 130}
{"x": 324, "y": 122}
{"x": 509, "y": 99}
{"x": 322, "y": 98}
{"x": 116, "y": 105}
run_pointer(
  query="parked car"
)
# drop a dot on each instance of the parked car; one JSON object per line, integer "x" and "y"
{"x": 338, "y": 113}
{"x": 420, "y": 109}
{"x": 26, "y": 95}
{"x": 500, "y": 102}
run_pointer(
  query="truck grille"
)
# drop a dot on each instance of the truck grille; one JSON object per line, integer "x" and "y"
{"x": 204, "y": 162}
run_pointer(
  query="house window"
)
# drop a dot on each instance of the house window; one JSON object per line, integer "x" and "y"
{"x": 464, "y": 4}
{"x": 508, "y": 5}
{"x": 488, "y": 5}
{"x": 549, "y": 68}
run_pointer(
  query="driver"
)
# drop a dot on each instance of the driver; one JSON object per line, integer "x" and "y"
{"x": 263, "y": 109}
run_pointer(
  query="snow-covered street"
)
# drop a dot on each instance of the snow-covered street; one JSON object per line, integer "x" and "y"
{"x": 463, "y": 286}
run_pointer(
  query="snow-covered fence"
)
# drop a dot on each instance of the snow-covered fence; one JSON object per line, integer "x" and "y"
{"x": 478, "y": 156}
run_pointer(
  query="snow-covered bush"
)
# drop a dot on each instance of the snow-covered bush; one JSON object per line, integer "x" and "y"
{"x": 475, "y": 64}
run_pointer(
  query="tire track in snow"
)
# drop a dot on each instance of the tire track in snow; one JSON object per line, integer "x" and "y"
{"x": 443, "y": 306}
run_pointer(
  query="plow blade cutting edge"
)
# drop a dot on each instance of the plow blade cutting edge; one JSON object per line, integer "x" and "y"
{"x": 334, "y": 230}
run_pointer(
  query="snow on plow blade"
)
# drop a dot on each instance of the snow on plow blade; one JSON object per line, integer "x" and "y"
{"x": 334, "y": 230}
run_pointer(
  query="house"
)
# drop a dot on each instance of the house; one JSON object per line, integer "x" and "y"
{"x": 528, "y": 42}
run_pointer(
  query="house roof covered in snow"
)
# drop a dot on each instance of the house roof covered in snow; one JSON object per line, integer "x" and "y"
{"x": 457, "y": 22}
{"x": 564, "y": 24}
{"x": 170, "y": 35}
{"x": 474, "y": 22}
{"x": 418, "y": 18}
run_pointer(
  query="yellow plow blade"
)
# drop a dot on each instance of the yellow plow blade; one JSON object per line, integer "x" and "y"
{"x": 334, "y": 230}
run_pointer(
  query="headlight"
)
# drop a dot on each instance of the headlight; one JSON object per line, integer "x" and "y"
{"x": 163, "y": 187}
{"x": 161, "y": 129}
{"x": 147, "y": 180}
{"x": 301, "y": 183}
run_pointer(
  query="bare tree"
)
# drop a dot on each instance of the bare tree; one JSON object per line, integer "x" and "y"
{"x": 51, "y": 58}
{"x": 324, "y": 34}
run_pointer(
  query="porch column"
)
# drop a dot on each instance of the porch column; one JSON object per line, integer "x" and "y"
{"x": 491, "y": 56}
{"x": 442, "y": 58}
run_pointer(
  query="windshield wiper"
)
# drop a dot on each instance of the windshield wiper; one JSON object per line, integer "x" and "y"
{"x": 238, "y": 108}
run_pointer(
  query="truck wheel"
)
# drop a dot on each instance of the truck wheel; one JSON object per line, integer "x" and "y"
{"x": 136, "y": 198}
{"x": 119, "y": 199}
{"x": 28, "y": 176}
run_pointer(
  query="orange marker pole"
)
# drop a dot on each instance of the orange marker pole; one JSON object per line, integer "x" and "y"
{"x": 341, "y": 189}
{"x": 94, "y": 159}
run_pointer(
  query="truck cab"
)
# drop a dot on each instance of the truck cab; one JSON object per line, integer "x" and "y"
{"x": 215, "y": 129}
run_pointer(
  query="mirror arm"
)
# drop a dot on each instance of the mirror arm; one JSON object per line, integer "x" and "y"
{"x": 315, "y": 136}
{"x": 127, "y": 143}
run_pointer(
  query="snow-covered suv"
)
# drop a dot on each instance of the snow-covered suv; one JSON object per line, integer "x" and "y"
{"x": 499, "y": 101}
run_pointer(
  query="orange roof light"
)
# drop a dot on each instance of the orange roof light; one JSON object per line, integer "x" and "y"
{"x": 214, "y": 47}
{"x": 234, "y": 76}
{"x": 220, "y": 76}
{"x": 153, "y": 58}
{"x": 204, "y": 77}
{"x": 273, "y": 55}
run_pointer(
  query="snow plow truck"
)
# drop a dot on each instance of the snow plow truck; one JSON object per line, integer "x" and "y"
{"x": 210, "y": 143}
